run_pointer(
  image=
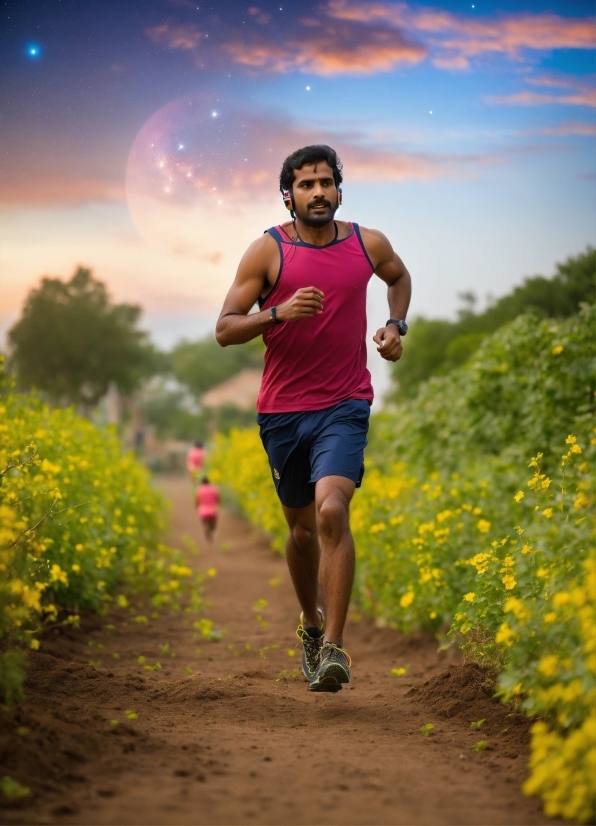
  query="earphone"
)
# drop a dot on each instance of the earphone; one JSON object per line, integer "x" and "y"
{"x": 287, "y": 198}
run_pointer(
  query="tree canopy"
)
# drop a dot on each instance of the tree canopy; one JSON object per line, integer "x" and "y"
{"x": 71, "y": 341}
{"x": 434, "y": 347}
{"x": 203, "y": 364}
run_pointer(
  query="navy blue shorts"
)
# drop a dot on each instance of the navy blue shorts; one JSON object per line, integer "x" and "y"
{"x": 304, "y": 447}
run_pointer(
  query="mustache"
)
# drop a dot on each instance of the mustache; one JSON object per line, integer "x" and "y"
{"x": 319, "y": 202}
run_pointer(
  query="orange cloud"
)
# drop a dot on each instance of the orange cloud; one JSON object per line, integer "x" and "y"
{"x": 185, "y": 38}
{"x": 58, "y": 174}
{"x": 364, "y": 37}
{"x": 315, "y": 45}
{"x": 58, "y": 191}
{"x": 332, "y": 50}
{"x": 580, "y": 94}
{"x": 374, "y": 165}
{"x": 567, "y": 129}
{"x": 456, "y": 38}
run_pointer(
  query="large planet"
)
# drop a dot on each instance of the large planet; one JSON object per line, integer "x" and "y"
{"x": 202, "y": 183}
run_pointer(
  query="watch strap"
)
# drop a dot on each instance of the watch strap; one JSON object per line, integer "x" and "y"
{"x": 273, "y": 315}
{"x": 399, "y": 323}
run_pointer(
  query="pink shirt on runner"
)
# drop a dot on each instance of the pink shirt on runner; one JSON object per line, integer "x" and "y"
{"x": 319, "y": 361}
{"x": 195, "y": 459}
{"x": 207, "y": 501}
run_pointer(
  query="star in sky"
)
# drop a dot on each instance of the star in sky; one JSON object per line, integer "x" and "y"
{"x": 33, "y": 51}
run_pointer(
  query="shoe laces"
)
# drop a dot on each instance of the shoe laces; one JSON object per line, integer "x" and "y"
{"x": 305, "y": 637}
{"x": 311, "y": 646}
{"x": 331, "y": 651}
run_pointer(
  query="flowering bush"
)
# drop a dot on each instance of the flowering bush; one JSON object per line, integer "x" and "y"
{"x": 450, "y": 533}
{"x": 239, "y": 464}
{"x": 77, "y": 517}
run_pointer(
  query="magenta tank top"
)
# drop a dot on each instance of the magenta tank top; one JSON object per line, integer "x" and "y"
{"x": 316, "y": 362}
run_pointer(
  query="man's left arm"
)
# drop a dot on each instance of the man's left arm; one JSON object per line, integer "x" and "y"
{"x": 392, "y": 270}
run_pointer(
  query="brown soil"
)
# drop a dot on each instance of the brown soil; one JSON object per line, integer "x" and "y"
{"x": 241, "y": 740}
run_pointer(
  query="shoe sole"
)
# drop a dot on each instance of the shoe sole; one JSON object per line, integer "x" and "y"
{"x": 331, "y": 680}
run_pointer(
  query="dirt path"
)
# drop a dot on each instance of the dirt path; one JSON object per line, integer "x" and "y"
{"x": 241, "y": 740}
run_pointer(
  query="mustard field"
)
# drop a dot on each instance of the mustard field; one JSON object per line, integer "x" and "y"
{"x": 78, "y": 517}
{"x": 475, "y": 522}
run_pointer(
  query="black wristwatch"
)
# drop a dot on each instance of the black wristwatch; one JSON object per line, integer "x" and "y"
{"x": 273, "y": 316}
{"x": 400, "y": 324}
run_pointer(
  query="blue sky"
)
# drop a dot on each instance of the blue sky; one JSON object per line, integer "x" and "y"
{"x": 496, "y": 184}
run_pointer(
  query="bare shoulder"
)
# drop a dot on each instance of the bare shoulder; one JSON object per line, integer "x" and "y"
{"x": 260, "y": 254}
{"x": 374, "y": 237}
{"x": 377, "y": 245}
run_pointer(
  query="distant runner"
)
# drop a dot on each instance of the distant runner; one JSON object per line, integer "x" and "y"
{"x": 207, "y": 500}
{"x": 195, "y": 460}
{"x": 310, "y": 277}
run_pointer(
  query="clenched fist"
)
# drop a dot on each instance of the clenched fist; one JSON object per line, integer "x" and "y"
{"x": 305, "y": 302}
{"x": 388, "y": 343}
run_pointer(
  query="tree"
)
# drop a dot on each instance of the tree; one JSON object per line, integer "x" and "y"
{"x": 71, "y": 342}
{"x": 434, "y": 347}
{"x": 203, "y": 364}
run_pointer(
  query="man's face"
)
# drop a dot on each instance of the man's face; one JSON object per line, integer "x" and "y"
{"x": 314, "y": 194}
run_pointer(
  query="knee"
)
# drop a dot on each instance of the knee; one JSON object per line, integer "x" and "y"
{"x": 332, "y": 517}
{"x": 301, "y": 535}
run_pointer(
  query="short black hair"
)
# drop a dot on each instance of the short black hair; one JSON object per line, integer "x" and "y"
{"x": 309, "y": 155}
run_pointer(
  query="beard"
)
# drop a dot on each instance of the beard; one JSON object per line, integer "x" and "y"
{"x": 315, "y": 218}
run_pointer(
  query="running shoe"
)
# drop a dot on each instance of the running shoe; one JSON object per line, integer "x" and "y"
{"x": 312, "y": 642}
{"x": 333, "y": 670}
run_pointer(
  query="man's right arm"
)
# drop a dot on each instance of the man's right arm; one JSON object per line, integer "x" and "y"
{"x": 235, "y": 325}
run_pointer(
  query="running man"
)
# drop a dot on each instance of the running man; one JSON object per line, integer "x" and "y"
{"x": 207, "y": 500}
{"x": 309, "y": 277}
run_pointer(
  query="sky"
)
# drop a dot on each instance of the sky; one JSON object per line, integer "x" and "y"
{"x": 144, "y": 140}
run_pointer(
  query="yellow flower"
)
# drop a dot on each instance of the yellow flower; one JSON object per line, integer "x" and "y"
{"x": 570, "y": 440}
{"x": 509, "y": 582}
{"x": 76, "y": 568}
{"x": 469, "y": 597}
{"x": 576, "y": 449}
{"x": 377, "y": 527}
{"x": 548, "y": 665}
{"x": 58, "y": 575}
{"x": 557, "y": 350}
{"x": 526, "y": 549}
{"x": 34, "y": 644}
{"x": 483, "y": 526}
{"x": 398, "y": 672}
{"x": 519, "y": 496}
{"x": 517, "y": 608}
{"x": 480, "y": 562}
{"x": 504, "y": 634}
{"x": 548, "y": 512}
{"x": 407, "y": 599}
{"x": 212, "y": 572}
{"x": 508, "y": 562}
